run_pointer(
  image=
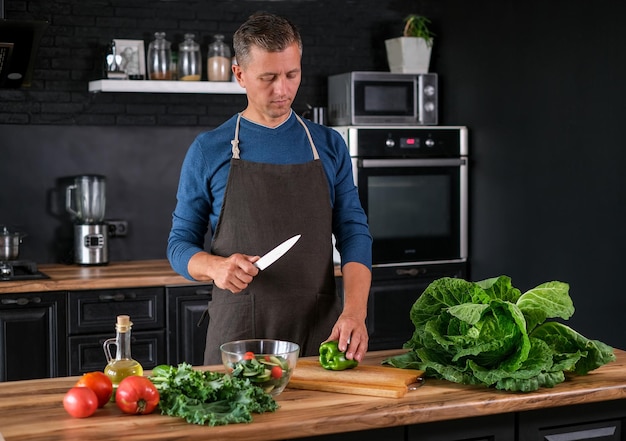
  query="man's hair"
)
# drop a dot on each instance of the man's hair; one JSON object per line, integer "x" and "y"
{"x": 267, "y": 31}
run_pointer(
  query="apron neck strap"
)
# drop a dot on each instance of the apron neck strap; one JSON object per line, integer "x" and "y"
{"x": 308, "y": 134}
{"x": 235, "y": 141}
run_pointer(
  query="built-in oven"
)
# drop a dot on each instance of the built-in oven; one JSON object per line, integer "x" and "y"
{"x": 413, "y": 185}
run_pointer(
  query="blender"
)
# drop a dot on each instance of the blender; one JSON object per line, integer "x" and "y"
{"x": 85, "y": 200}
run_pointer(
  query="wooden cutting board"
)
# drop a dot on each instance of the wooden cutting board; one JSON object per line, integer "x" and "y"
{"x": 378, "y": 381}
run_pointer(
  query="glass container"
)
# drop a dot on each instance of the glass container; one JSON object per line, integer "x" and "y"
{"x": 160, "y": 58}
{"x": 219, "y": 62}
{"x": 122, "y": 365}
{"x": 189, "y": 59}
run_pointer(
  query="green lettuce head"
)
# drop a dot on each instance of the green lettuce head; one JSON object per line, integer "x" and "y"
{"x": 489, "y": 333}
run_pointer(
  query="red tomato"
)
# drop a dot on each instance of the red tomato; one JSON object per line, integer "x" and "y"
{"x": 248, "y": 355}
{"x": 80, "y": 402}
{"x": 136, "y": 395}
{"x": 99, "y": 383}
{"x": 276, "y": 372}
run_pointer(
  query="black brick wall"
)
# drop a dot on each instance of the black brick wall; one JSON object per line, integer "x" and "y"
{"x": 338, "y": 36}
{"x": 540, "y": 84}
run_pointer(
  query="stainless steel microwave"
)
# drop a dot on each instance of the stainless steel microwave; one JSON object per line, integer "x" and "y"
{"x": 382, "y": 98}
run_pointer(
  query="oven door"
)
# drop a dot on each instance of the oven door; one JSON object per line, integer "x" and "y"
{"x": 416, "y": 208}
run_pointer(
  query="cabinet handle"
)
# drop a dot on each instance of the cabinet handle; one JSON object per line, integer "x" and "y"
{"x": 21, "y": 301}
{"x": 600, "y": 432}
{"x": 117, "y": 297}
{"x": 203, "y": 292}
{"x": 411, "y": 272}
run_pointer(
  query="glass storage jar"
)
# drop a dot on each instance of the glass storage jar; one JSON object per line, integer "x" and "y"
{"x": 159, "y": 58}
{"x": 219, "y": 62}
{"x": 189, "y": 59}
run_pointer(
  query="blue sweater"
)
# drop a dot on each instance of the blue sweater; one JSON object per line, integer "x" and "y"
{"x": 205, "y": 170}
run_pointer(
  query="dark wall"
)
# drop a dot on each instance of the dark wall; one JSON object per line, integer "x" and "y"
{"x": 539, "y": 84}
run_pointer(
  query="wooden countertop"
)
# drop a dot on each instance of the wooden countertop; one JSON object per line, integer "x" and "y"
{"x": 33, "y": 410}
{"x": 128, "y": 274}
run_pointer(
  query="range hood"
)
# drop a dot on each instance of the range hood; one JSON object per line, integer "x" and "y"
{"x": 19, "y": 42}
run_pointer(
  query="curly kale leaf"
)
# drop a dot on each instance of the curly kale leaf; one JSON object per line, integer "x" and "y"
{"x": 208, "y": 398}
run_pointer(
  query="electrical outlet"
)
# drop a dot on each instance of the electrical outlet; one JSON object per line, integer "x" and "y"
{"x": 117, "y": 228}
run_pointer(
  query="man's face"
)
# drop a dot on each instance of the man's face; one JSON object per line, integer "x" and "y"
{"x": 271, "y": 80}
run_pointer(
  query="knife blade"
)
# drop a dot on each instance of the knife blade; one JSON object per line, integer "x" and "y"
{"x": 276, "y": 253}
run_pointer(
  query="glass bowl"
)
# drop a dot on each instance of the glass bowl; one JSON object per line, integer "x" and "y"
{"x": 266, "y": 363}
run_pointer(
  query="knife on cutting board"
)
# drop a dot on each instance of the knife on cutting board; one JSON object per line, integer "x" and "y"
{"x": 276, "y": 253}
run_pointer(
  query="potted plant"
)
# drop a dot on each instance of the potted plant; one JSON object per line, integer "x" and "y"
{"x": 411, "y": 52}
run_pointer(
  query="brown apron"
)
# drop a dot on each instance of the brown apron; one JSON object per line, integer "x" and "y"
{"x": 294, "y": 299}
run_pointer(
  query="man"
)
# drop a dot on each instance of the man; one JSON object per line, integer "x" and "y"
{"x": 264, "y": 176}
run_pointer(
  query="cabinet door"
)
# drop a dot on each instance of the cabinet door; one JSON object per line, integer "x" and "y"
{"x": 87, "y": 355}
{"x": 392, "y": 295}
{"x": 187, "y": 323}
{"x": 32, "y": 336}
{"x": 594, "y": 421}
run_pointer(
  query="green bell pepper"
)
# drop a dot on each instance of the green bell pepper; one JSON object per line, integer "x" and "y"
{"x": 333, "y": 359}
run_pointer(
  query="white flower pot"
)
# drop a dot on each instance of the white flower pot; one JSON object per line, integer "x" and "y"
{"x": 408, "y": 55}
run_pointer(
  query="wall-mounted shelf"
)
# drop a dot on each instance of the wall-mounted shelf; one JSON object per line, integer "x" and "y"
{"x": 146, "y": 86}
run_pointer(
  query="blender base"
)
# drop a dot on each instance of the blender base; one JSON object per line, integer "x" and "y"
{"x": 91, "y": 244}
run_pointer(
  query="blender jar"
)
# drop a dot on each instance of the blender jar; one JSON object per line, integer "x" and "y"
{"x": 86, "y": 199}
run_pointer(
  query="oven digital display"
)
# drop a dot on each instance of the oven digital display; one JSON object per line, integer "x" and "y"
{"x": 409, "y": 143}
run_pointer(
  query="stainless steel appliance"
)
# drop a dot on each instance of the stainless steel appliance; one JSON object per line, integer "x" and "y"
{"x": 12, "y": 270}
{"x": 85, "y": 200}
{"x": 413, "y": 185}
{"x": 11, "y": 267}
{"x": 382, "y": 98}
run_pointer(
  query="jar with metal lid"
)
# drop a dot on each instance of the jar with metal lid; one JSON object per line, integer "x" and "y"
{"x": 189, "y": 59}
{"x": 159, "y": 58}
{"x": 219, "y": 62}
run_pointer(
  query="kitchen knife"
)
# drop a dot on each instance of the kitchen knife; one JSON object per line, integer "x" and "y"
{"x": 276, "y": 253}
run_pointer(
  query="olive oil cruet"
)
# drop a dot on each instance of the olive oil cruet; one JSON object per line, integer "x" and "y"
{"x": 122, "y": 365}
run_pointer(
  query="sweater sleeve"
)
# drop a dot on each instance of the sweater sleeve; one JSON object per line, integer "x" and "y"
{"x": 190, "y": 219}
{"x": 350, "y": 228}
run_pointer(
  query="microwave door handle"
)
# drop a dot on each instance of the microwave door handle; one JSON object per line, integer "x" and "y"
{"x": 437, "y": 162}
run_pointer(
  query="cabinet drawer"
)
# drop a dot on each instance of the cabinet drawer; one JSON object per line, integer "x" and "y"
{"x": 86, "y": 353}
{"x": 97, "y": 310}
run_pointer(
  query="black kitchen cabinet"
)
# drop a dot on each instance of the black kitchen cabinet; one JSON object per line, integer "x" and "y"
{"x": 92, "y": 317}
{"x": 393, "y": 293}
{"x": 489, "y": 428}
{"x": 32, "y": 336}
{"x": 595, "y": 421}
{"x": 187, "y": 323}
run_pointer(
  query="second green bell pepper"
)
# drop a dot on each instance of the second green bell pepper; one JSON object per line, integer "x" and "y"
{"x": 333, "y": 359}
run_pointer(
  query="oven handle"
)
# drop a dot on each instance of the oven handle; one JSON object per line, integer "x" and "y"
{"x": 434, "y": 162}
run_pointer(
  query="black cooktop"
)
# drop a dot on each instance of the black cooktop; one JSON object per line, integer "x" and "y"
{"x": 14, "y": 270}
